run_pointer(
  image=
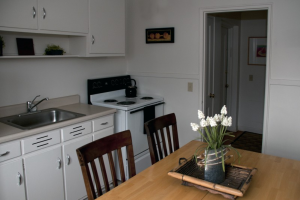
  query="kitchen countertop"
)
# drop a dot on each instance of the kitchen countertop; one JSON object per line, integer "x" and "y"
{"x": 9, "y": 133}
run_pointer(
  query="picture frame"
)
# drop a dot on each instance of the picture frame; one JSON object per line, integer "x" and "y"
{"x": 25, "y": 46}
{"x": 160, "y": 35}
{"x": 257, "y": 50}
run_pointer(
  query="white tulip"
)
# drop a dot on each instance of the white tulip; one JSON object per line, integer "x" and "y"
{"x": 229, "y": 121}
{"x": 200, "y": 114}
{"x": 217, "y": 118}
{"x": 225, "y": 121}
{"x": 224, "y": 110}
{"x": 203, "y": 123}
{"x": 195, "y": 126}
{"x": 212, "y": 122}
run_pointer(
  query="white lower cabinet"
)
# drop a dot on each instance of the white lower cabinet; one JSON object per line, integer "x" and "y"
{"x": 74, "y": 184}
{"x": 12, "y": 180}
{"x": 44, "y": 175}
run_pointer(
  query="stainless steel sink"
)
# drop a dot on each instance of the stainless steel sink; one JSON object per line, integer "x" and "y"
{"x": 39, "y": 119}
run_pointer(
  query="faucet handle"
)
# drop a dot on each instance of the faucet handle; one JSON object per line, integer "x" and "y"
{"x": 35, "y": 98}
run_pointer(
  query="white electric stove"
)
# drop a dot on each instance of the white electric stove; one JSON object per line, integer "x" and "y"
{"x": 131, "y": 113}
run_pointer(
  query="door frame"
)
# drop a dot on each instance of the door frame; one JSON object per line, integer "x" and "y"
{"x": 202, "y": 57}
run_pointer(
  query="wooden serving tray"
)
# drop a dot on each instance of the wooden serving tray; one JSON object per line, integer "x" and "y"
{"x": 237, "y": 178}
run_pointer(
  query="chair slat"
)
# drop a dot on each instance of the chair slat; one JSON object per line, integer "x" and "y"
{"x": 175, "y": 138}
{"x": 162, "y": 134}
{"x": 112, "y": 169}
{"x": 169, "y": 139}
{"x": 121, "y": 165}
{"x": 158, "y": 144}
{"x": 96, "y": 178}
{"x": 104, "y": 174}
{"x": 130, "y": 157}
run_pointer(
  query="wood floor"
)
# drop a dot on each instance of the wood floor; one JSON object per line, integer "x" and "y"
{"x": 245, "y": 140}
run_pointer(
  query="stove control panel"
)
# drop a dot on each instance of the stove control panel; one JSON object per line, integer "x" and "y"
{"x": 101, "y": 85}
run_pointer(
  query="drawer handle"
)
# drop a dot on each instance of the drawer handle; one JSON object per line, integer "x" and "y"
{"x": 59, "y": 163}
{"x": 104, "y": 123}
{"x": 68, "y": 159}
{"x": 4, "y": 154}
{"x": 44, "y": 13}
{"x": 34, "y": 12}
{"x": 19, "y": 178}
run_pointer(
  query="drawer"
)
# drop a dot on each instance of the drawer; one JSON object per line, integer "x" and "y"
{"x": 76, "y": 130}
{"x": 103, "y": 122}
{"x": 40, "y": 141}
{"x": 10, "y": 150}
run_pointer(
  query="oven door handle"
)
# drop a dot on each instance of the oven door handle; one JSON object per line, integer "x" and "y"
{"x": 146, "y": 106}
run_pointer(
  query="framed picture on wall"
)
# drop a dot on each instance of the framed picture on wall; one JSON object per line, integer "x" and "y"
{"x": 160, "y": 35}
{"x": 257, "y": 50}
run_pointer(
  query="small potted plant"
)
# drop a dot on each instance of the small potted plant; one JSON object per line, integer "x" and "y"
{"x": 54, "y": 50}
{"x": 213, "y": 129}
{"x": 2, "y": 45}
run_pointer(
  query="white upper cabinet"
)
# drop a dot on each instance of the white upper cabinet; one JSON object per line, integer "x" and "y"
{"x": 19, "y": 14}
{"x": 107, "y": 27}
{"x": 66, "y": 15}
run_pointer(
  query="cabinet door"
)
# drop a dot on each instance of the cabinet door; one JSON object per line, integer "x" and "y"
{"x": 44, "y": 175}
{"x": 18, "y": 14}
{"x": 12, "y": 180}
{"x": 74, "y": 184}
{"x": 107, "y": 26}
{"x": 67, "y": 15}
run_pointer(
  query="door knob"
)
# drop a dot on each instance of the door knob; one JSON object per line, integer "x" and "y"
{"x": 211, "y": 95}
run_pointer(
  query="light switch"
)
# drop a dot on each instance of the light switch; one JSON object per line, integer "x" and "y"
{"x": 190, "y": 87}
{"x": 250, "y": 77}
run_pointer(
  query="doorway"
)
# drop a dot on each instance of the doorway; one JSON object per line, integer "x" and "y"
{"x": 229, "y": 79}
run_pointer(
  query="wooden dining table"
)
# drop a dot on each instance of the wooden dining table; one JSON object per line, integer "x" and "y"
{"x": 276, "y": 178}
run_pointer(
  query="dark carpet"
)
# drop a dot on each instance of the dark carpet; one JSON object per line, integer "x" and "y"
{"x": 248, "y": 141}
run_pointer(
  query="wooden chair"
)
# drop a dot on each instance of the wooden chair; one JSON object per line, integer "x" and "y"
{"x": 88, "y": 153}
{"x": 162, "y": 123}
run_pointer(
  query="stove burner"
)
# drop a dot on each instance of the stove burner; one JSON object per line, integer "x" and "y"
{"x": 126, "y": 102}
{"x": 110, "y": 100}
{"x": 147, "y": 98}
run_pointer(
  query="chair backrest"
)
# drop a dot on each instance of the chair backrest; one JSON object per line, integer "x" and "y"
{"x": 160, "y": 124}
{"x": 88, "y": 153}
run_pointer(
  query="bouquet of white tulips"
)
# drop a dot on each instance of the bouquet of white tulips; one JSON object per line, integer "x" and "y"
{"x": 215, "y": 128}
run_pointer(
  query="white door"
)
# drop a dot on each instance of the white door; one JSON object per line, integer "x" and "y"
{"x": 67, "y": 15}
{"x": 213, "y": 70}
{"x": 44, "y": 175}
{"x": 74, "y": 183}
{"x": 107, "y": 26}
{"x": 12, "y": 180}
{"x": 19, "y": 14}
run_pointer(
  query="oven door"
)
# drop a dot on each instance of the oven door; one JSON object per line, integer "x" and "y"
{"x": 135, "y": 123}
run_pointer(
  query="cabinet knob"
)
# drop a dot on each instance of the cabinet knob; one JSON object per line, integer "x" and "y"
{"x": 58, "y": 163}
{"x": 34, "y": 12}
{"x": 44, "y": 13}
{"x": 19, "y": 177}
{"x": 68, "y": 159}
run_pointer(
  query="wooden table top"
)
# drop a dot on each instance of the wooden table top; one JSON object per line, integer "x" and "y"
{"x": 276, "y": 178}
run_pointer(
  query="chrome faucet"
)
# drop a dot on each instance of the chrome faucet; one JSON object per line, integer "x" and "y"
{"x": 32, "y": 107}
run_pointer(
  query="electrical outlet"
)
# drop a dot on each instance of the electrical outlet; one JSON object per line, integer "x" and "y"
{"x": 190, "y": 87}
{"x": 250, "y": 77}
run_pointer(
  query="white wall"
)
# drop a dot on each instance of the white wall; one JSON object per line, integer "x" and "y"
{"x": 22, "y": 79}
{"x": 251, "y": 93}
{"x": 181, "y": 59}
